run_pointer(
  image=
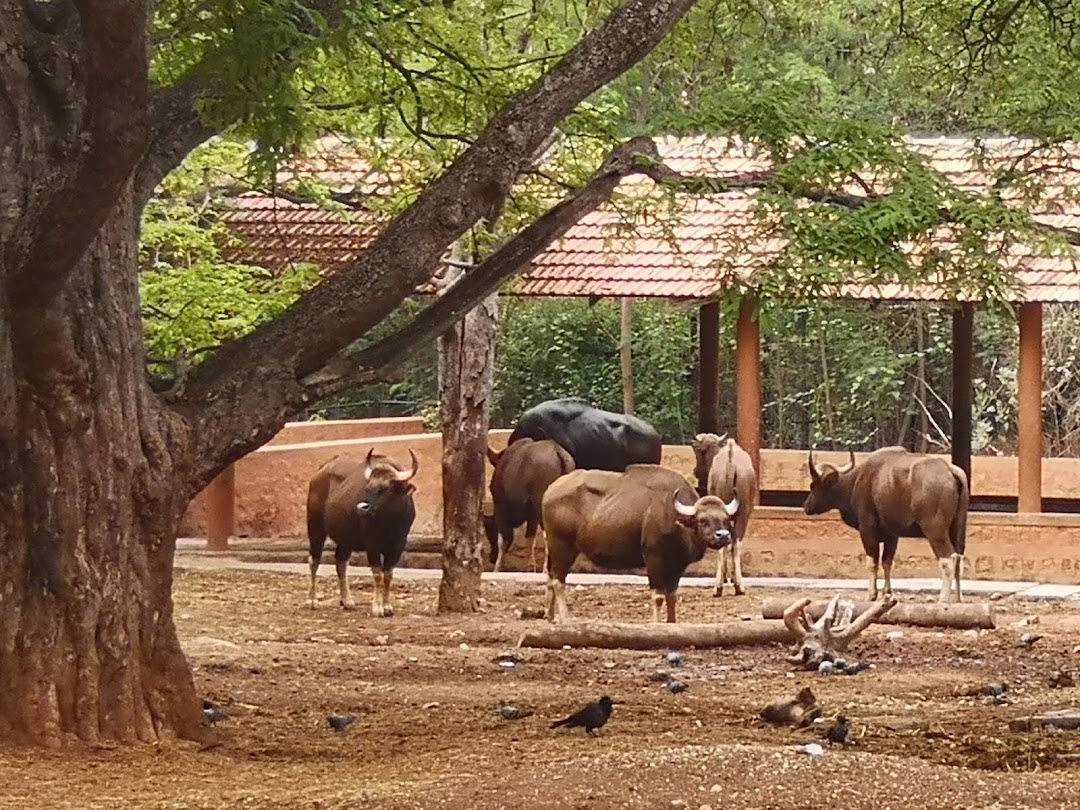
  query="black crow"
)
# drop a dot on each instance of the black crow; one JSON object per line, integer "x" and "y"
{"x": 591, "y": 717}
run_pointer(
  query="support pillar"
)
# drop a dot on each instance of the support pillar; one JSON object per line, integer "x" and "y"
{"x": 963, "y": 335}
{"x": 221, "y": 510}
{"x": 748, "y": 381}
{"x": 709, "y": 368}
{"x": 1029, "y": 394}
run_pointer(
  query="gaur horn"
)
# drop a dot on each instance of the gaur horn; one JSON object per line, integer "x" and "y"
{"x": 815, "y": 476}
{"x": 733, "y": 507}
{"x": 681, "y": 508}
{"x": 851, "y": 464}
{"x": 367, "y": 463}
{"x": 405, "y": 475}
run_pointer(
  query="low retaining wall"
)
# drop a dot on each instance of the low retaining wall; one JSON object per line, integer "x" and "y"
{"x": 271, "y": 489}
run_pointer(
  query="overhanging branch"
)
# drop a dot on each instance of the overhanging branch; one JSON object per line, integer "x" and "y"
{"x": 386, "y": 357}
{"x": 115, "y": 63}
{"x": 345, "y": 306}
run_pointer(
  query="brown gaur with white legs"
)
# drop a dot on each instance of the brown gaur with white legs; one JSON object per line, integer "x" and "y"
{"x": 725, "y": 470}
{"x": 362, "y": 506}
{"x": 647, "y": 516}
{"x": 892, "y": 494}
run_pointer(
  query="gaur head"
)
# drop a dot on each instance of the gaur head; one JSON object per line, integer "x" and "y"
{"x": 705, "y": 447}
{"x": 709, "y": 520}
{"x": 385, "y": 484}
{"x": 826, "y": 491}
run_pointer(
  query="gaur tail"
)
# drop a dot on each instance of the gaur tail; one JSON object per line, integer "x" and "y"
{"x": 958, "y": 528}
{"x": 566, "y": 461}
{"x": 316, "y": 531}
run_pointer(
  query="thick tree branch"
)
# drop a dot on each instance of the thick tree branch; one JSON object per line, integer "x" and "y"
{"x": 116, "y": 86}
{"x": 177, "y": 124}
{"x": 386, "y": 357}
{"x": 345, "y": 306}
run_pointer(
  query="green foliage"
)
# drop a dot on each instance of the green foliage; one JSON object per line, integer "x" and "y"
{"x": 557, "y": 348}
{"x": 194, "y": 300}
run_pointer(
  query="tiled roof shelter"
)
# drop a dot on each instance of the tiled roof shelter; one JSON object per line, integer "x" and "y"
{"x": 714, "y": 240}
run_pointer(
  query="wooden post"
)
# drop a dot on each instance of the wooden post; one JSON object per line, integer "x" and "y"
{"x": 963, "y": 334}
{"x": 1029, "y": 394}
{"x": 709, "y": 368}
{"x": 221, "y": 510}
{"x": 748, "y": 381}
{"x": 626, "y": 354}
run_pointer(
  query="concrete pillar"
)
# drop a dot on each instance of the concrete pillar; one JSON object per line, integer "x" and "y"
{"x": 1029, "y": 394}
{"x": 963, "y": 335}
{"x": 221, "y": 510}
{"x": 708, "y": 420}
{"x": 748, "y": 381}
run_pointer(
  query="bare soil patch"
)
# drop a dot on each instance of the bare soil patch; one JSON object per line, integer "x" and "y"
{"x": 426, "y": 689}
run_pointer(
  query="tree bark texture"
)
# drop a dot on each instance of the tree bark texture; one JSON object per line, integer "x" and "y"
{"x": 626, "y": 354}
{"x": 467, "y": 363}
{"x": 88, "y": 513}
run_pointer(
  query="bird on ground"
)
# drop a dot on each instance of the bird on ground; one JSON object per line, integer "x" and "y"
{"x": 838, "y": 734}
{"x": 511, "y": 711}
{"x": 591, "y": 717}
{"x": 340, "y": 722}
{"x": 212, "y": 712}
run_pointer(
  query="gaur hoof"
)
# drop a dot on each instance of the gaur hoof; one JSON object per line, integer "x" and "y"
{"x": 348, "y": 605}
{"x": 718, "y": 591}
{"x": 740, "y": 591}
{"x": 387, "y": 611}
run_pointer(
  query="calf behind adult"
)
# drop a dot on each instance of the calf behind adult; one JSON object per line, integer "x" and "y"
{"x": 362, "y": 506}
{"x": 595, "y": 439}
{"x": 640, "y": 517}
{"x": 895, "y": 494}
{"x": 523, "y": 472}
{"x": 725, "y": 470}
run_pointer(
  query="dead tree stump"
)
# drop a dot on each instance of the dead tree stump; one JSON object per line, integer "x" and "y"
{"x": 828, "y": 638}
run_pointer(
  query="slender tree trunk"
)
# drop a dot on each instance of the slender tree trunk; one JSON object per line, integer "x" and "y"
{"x": 626, "y": 355}
{"x": 88, "y": 510}
{"x": 466, "y": 370}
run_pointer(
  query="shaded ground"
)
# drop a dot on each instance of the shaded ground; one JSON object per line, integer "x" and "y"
{"x": 278, "y": 669}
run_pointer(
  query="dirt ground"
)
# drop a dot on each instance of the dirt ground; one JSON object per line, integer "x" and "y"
{"x": 426, "y": 689}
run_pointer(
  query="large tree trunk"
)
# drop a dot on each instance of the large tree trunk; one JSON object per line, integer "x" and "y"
{"x": 88, "y": 510}
{"x": 467, "y": 360}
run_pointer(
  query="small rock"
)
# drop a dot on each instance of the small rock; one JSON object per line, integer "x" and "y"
{"x": 745, "y": 617}
{"x": 813, "y": 749}
{"x": 513, "y": 656}
{"x": 464, "y": 646}
{"x": 432, "y": 705}
{"x": 413, "y": 659}
{"x": 675, "y": 686}
{"x": 675, "y": 658}
{"x": 457, "y": 634}
{"x": 996, "y": 596}
{"x": 894, "y": 635}
{"x": 507, "y": 665}
{"x": 1028, "y": 621}
{"x": 716, "y": 789}
{"x": 382, "y": 641}
{"x": 610, "y": 665}
{"x": 705, "y": 807}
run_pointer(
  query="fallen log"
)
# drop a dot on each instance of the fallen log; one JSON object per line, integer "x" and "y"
{"x": 1066, "y": 719}
{"x": 955, "y": 615}
{"x": 655, "y": 636}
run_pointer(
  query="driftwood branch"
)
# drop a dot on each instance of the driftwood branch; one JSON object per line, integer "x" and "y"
{"x": 827, "y": 638}
{"x": 960, "y": 616}
{"x": 655, "y": 636}
{"x": 387, "y": 356}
